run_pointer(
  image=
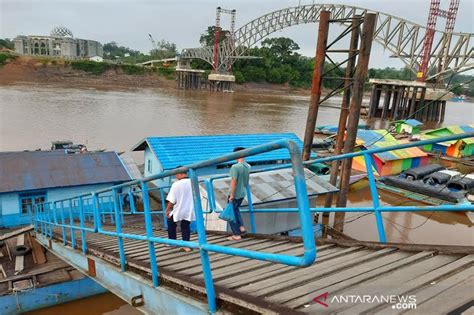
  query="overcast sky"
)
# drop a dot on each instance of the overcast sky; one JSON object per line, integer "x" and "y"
{"x": 129, "y": 22}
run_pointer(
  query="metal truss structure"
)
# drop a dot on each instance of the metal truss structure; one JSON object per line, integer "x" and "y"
{"x": 404, "y": 39}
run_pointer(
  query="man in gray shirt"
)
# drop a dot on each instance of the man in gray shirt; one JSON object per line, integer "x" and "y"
{"x": 239, "y": 174}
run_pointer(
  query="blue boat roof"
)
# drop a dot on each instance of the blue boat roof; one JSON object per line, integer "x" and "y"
{"x": 32, "y": 170}
{"x": 332, "y": 129}
{"x": 413, "y": 122}
{"x": 184, "y": 150}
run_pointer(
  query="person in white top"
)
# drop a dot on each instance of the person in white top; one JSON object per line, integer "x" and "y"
{"x": 180, "y": 199}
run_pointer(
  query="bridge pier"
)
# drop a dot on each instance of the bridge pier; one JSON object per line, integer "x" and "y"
{"x": 405, "y": 99}
{"x": 190, "y": 79}
{"x": 220, "y": 82}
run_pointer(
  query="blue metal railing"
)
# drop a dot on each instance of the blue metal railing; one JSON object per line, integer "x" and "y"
{"x": 90, "y": 210}
{"x": 46, "y": 218}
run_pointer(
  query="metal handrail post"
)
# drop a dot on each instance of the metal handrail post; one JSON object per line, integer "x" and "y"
{"x": 35, "y": 220}
{"x": 71, "y": 222}
{"x": 211, "y": 195}
{"x": 118, "y": 229}
{"x": 43, "y": 216}
{"x": 30, "y": 213}
{"x": 63, "y": 228}
{"x": 40, "y": 217}
{"x": 302, "y": 201}
{"x": 81, "y": 221}
{"x": 121, "y": 207}
{"x": 375, "y": 198}
{"x": 206, "y": 264}
{"x": 112, "y": 210}
{"x": 54, "y": 220}
{"x": 55, "y": 214}
{"x": 253, "y": 227}
{"x": 163, "y": 207}
{"x": 131, "y": 202}
{"x": 95, "y": 209}
{"x": 149, "y": 234}
{"x": 50, "y": 222}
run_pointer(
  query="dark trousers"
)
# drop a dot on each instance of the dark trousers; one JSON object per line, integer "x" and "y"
{"x": 185, "y": 230}
{"x": 235, "y": 226}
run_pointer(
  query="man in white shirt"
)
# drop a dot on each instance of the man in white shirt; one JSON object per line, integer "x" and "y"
{"x": 180, "y": 199}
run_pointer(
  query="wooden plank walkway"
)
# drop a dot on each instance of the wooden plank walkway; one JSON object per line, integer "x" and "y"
{"x": 440, "y": 277}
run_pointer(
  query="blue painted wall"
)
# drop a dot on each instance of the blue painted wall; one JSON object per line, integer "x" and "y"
{"x": 10, "y": 211}
{"x": 49, "y": 296}
{"x": 153, "y": 166}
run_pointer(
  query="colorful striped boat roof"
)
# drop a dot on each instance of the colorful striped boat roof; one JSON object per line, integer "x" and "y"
{"x": 372, "y": 139}
{"x": 450, "y": 130}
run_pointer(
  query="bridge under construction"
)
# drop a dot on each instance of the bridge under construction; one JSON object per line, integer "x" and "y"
{"x": 404, "y": 39}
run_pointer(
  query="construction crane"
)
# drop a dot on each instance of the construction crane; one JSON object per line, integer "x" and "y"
{"x": 153, "y": 43}
{"x": 217, "y": 30}
{"x": 450, "y": 16}
{"x": 165, "y": 64}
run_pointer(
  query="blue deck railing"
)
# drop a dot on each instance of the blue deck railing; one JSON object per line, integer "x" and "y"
{"x": 87, "y": 213}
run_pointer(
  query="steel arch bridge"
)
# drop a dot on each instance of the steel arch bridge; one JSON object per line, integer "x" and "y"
{"x": 404, "y": 39}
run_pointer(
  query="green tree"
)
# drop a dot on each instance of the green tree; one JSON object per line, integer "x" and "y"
{"x": 7, "y": 43}
{"x": 113, "y": 51}
{"x": 239, "y": 77}
{"x": 207, "y": 38}
{"x": 280, "y": 49}
{"x": 164, "y": 49}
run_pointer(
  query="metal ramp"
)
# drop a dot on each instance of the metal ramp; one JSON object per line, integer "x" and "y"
{"x": 430, "y": 273}
{"x": 261, "y": 274}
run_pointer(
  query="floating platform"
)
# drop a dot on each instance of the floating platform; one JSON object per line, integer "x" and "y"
{"x": 440, "y": 277}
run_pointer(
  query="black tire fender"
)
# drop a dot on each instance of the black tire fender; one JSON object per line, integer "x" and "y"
{"x": 21, "y": 250}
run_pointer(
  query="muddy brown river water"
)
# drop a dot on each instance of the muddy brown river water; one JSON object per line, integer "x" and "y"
{"x": 31, "y": 117}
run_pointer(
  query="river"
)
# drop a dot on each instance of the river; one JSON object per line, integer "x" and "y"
{"x": 31, "y": 117}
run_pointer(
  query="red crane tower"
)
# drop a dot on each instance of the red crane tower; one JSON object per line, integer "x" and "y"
{"x": 217, "y": 31}
{"x": 435, "y": 11}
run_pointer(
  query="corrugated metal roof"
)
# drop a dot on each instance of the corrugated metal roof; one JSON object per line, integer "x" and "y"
{"x": 184, "y": 150}
{"x": 21, "y": 171}
{"x": 372, "y": 139}
{"x": 271, "y": 186}
{"x": 131, "y": 166}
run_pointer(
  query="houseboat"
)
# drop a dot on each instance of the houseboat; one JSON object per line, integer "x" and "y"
{"x": 275, "y": 187}
{"x": 461, "y": 148}
{"x": 387, "y": 163}
{"x": 31, "y": 279}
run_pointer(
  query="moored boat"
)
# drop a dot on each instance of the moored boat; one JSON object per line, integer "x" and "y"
{"x": 432, "y": 184}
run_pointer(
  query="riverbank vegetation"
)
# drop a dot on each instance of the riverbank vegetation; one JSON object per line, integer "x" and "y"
{"x": 163, "y": 49}
{"x": 5, "y": 57}
{"x": 275, "y": 61}
{"x": 90, "y": 66}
